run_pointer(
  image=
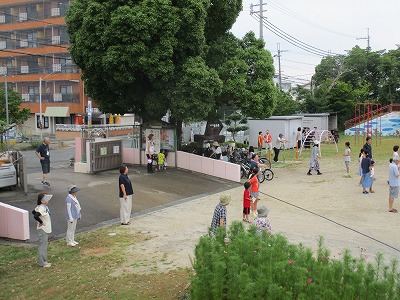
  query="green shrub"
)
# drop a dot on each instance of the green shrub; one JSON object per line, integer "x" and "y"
{"x": 254, "y": 266}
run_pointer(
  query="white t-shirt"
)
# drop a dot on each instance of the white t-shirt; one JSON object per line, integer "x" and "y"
{"x": 395, "y": 155}
{"x": 347, "y": 153}
{"x": 45, "y": 217}
{"x": 279, "y": 142}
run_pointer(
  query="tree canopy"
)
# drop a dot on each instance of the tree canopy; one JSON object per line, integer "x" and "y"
{"x": 151, "y": 56}
{"x": 360, "y": 76}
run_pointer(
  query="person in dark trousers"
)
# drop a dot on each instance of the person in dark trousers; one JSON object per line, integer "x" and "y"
{"x": 368, "y": 146}
{"x": 125, "y": 195}
{"x": 42, "y": 215}
{"x": 150, "y": 151}
{"x": 43, "y": 153}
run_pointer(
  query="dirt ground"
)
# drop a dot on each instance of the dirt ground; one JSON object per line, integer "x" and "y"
{"x": 302, "y": 208}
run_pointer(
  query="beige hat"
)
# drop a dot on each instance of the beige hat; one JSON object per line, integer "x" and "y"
{"x": 215, "y": 144}
{"x": 224, "y": 200}
{"x": 46, "y": 198}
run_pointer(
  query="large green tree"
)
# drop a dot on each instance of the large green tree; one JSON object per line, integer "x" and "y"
{"x": 151, "y": 56}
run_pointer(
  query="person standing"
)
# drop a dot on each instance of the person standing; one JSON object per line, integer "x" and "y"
{"x": 394, "y": 183}
{"x": 366, "y": 168}
{"x": 42, "y": 215}
{"x": 150, "y": 151}
{"x": 125, "y": 195}
{"x": 299, "y": 136}
{"x": 260, "y": 141}
{"x": 279, "y": 144}
{"x": 217, "y": 152}
{"x": 314, "y": 159}
{"x": 73, "y": 213}
{"x": 368, "y": 146}
{"x": 395, "y": 152}
{"x": 268, "y": 142}
{"x": 219, "y": 217}
{"x": 347, "y": 158}
{"x": 43, "y": 153}
{"x": 254, "y": 192}
{"x": 246, "y": 202}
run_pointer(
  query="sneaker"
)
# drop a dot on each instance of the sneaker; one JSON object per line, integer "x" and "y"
{"x": 46, "y": 183}
{"x": 47, "y": 265}
{"x": 309, "y": 173}
{"x": 319, "y": 173}
{"x": 75, "y": 242}
{"x": 71, "y": 244}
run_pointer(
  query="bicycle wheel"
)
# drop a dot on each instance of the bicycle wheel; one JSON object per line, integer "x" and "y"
{"x": 266, "y": 162}
{"x": 261, "y": 177}
{"x": 269, "y": 175}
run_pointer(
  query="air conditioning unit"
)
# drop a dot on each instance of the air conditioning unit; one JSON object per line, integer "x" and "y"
{"x": 55, "y": 12}
{"x": 56, "y": 67}
{"x": 23, "y": 43}
{"x": 57, "y": 97}
{"x": 3, "y": 44}
{"x": 3, "y": 70}
{"x": 55, "y": 40}
{"x": 25, "y": 97}
{"x": 23, "y": 17}
{"x": 24, "y": 69}
{"x": 2, "y": 18}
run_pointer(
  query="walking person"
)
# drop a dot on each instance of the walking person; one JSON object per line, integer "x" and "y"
{"x": 299, "y": 136}
{"x": 73, "y": 214}
{"x": 365, "y": 167}
{"x": 150, "y": 151}
{"x": 314, "y": 159}
{"x": 220, "y": 212}
{"x": 394, "y": 183}
{"x": 125, "y": 195}
{"x": 43, "y": 153}
{"x": 42, "y": 215}
{"x": 347, "y": 159}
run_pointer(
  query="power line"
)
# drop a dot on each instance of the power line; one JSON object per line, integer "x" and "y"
{"x": 295, "y": 15}
{"x": 291, "y": 41}
{"x": 299, "y": 62}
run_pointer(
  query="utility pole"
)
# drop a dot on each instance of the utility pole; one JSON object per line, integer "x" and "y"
{"x": 260, "y": 12}
{"x": 7, "y": 116}
{"x": 279, "y": 64}
{"x": 368, "y": 40}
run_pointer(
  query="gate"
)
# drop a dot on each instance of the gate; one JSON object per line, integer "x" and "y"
{"x": 105, "y": 155}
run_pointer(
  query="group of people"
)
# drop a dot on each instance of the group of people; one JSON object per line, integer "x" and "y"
{"x": 152, "y": 156}
{"x": 42, "y": 215}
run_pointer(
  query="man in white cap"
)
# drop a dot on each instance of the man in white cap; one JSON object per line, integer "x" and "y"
{"x": 42, "y": 215}
{"x": 394, "y": 183}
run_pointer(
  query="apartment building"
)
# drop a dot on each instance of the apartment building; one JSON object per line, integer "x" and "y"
{"x": 35, "y": 61}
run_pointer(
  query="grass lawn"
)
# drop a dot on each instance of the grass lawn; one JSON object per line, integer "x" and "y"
{"x": 83, "y": 272}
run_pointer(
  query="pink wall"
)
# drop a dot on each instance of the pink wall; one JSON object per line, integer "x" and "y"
{"x": 209, "y": 166}
{"x": 14, "y": 222}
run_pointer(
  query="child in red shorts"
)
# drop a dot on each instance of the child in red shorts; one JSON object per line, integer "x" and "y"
{"x": 246, "y": 202}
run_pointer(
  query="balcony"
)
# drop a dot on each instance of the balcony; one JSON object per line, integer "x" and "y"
{"x": 35, "y": 69}
{"x": 51, "y": 98}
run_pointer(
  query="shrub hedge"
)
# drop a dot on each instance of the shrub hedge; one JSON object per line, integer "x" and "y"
{"x": 238, "y": 263}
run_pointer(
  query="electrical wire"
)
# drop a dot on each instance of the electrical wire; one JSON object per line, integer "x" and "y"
{"x": 299, "y": 62}
{"x": 333, "y": 221}
{"x": 276, "y": 5}
{"x": 289, "y": 37}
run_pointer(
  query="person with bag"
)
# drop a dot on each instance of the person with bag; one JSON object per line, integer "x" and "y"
{"x": 42, "y": 215}
{"x": 150, "y": 151}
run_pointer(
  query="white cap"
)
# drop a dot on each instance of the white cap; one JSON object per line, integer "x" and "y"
{"x": 46, "y": 198}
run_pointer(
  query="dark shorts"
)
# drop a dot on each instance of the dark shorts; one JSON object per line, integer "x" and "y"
{"x": 246, "y": 210}
{"x": 45, "y": 168}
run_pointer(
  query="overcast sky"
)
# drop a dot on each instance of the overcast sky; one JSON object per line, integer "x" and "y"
{"x": 329, "y": 26}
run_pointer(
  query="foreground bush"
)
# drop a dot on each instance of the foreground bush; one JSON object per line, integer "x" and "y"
{"x": 248, "y": 265}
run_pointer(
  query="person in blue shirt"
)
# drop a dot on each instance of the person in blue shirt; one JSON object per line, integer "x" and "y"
{"x": 73, "y": 213}
{"x": 43, "y": 153}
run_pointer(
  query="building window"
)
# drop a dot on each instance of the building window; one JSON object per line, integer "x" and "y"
{"x": 45, "y": 122}
{"x": 66, "y": 89}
